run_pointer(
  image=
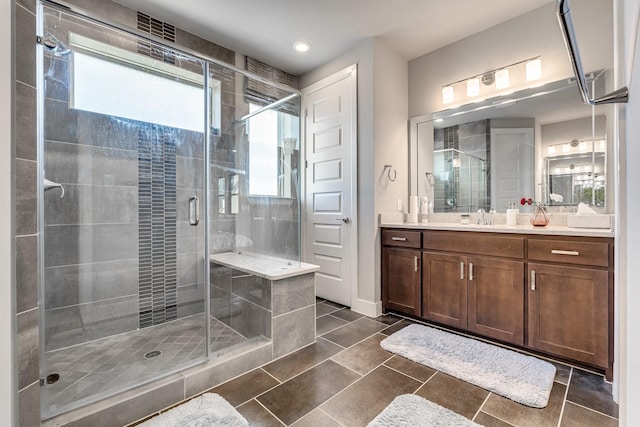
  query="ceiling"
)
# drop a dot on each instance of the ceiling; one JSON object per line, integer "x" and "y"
{"x": 267, "y": 29}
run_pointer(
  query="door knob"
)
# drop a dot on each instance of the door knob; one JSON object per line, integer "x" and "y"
{"x": 346, "y": 220}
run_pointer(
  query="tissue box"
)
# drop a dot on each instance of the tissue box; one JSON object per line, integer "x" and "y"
{"x": 589, "y": 221}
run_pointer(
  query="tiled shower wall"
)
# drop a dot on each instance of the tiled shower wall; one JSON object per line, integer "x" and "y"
{"x": 474, "y": 139}
{"x": 26, "y": 240}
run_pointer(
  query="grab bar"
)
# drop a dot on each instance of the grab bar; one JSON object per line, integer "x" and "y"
{"x": 566, "y": 25}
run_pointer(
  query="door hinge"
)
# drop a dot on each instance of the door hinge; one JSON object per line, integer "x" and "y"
{"x": 306, "y": 164}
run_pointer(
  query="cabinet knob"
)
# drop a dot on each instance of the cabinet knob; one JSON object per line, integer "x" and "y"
{"x": 415, "y": 263}
{"x": 399, "y": 239}
{"x": 470, "y": 271}
{"x": 461, "y": 270}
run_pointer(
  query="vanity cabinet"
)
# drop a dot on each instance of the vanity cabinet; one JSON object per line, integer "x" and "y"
{"x": 570, "y": 290}
{"x": 477, "y": 293}
{"x": 551, "y": 294}
{"x": 401, "y": 266}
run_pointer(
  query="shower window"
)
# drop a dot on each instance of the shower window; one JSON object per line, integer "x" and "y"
{"x": 128, "y": 81}
{"x": 272, "y": 140}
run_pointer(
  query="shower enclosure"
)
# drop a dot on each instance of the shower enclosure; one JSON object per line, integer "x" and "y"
{"x": 151, "y": 158}
{"x": 460, "y": 181}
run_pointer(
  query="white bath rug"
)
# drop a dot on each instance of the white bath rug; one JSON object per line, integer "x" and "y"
{"x": 409, "y": 410}
{"x": 208, "y": 410}
{"x": 523, "y": 379}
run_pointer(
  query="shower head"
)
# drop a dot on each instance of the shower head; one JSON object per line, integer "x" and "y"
{"x": 53, "y": 45}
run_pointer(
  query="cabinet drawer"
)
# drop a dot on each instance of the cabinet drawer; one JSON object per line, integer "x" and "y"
{"x": 488, "y": 244}
{"x": 569, "y": 252}
{"x": 402, "y": 238}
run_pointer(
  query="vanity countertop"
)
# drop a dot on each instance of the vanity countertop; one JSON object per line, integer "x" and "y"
{"x": 451, "y": 221}
{"x": 560, "y": 230}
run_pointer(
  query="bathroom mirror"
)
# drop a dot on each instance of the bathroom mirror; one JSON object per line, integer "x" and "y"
{"x": 542, "y": 142}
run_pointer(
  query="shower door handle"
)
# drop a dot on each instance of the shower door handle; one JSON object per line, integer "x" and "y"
{"x": 194, "y": 210}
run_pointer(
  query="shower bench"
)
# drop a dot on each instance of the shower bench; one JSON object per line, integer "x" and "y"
{"x": 265, "y": 296}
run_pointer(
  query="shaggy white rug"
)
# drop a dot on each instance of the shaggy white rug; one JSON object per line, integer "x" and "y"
{"x": 409, "y": 410}
{"x": 523, "y": 379}
{"x": 208, "y": 410}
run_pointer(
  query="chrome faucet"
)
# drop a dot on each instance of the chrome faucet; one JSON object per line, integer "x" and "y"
{"x": 485, "y": 218}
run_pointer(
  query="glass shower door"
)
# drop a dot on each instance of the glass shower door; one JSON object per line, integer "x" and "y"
{"x": 121, "y": 212}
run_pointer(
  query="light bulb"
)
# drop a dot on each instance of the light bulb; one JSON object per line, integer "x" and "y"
{"x": 534, "y": 69}
{"x": 447, "y": 94}
{"x": 473, "y": 87}
{"x": 502, "y": 79}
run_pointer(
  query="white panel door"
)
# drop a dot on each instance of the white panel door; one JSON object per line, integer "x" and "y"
{"x": 512, "y": 166}
{"x": 330, "y": 184}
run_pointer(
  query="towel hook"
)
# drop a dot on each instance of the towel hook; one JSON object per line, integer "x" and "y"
{"x": 388, "y": 168}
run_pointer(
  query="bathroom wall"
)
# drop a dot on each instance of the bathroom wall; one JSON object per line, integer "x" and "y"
{"x": 118, "y": 248}
{"x": 382, "y": 139}
{"x": 627, "y": 218}
{"x": 26, "y": 240}
{"x": 8, "y": 400}
{"x": 529, "y": 35}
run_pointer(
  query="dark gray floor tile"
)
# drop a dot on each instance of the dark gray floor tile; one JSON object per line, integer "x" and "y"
{"x": 354, "y": 332}
{"x": 361, "y": 402}
{"x": 323, "y": 309}
{"x": 397, "y": 326}
{"x": 246, "y": 387}
{"x": 563, "y": 372}
{"x": 408, "y": 367}
{"x": 317, "y": 418}
{"x": 487, "y": 420}
{"x": 364, "y": 356}
{"x": 578, "y": 416}
{"x": 328, "y": 323}
{"x": 454, "y": 394}
{"x": 591, "y": 390}
{"x": 347, "y": 314}
{"x": 257, "y": 415}
{"x": 388, "y": 319}
{"x": 524, "y": 416}
{"x": 301, "y": 360}
{"x": 297, "y": 397}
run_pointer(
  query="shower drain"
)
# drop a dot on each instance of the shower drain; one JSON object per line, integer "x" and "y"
{"x": 52, "y": 378}
{"x": 150, "y": 354}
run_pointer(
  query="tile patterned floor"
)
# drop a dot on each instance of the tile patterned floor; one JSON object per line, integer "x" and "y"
{"x": 346, "y": 379}
{"x": 106, "y": 366}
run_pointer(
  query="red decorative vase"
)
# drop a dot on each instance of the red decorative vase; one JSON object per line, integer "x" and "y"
{"x": 539, "y": 217}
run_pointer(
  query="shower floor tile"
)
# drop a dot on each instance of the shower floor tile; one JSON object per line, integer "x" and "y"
{"x": 107, "y": 366}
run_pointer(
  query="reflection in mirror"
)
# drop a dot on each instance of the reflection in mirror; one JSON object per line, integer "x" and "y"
{"x": 543, "y": 143}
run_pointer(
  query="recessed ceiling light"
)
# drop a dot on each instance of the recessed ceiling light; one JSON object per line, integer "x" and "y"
{"x": 302, "y": 46}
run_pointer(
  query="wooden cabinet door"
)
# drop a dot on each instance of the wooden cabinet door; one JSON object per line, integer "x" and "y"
{"x": 568, "y": 312}
{"x": 401, "y": 280}
{"x": 444, "y": 289}
{"x": 496, "y": 298}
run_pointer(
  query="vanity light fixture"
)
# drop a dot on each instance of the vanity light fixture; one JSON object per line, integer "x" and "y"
{"x": 473, "y": 87}
{"x": 502, "y": 79}
{"x": 447, "y": 94}
{"x": 513, "y": 77}
{"x": 302, "y": 46}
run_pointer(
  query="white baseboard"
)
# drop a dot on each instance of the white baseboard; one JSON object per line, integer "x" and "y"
{"x": 368, "y": 308}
